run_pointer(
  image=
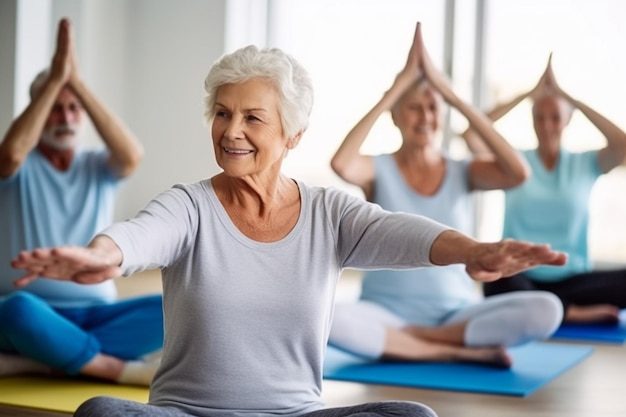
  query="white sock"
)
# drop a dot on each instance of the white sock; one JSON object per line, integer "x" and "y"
{"x": 20, "y": 365}
{"x": 138, "y": 372}
{"x": 154, "y": 356}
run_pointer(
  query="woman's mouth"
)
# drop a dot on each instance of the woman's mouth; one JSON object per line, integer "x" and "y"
{"x": 237, "y": 151}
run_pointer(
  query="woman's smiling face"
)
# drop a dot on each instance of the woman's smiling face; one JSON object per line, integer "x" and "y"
{"x": 247, "y": 131}
{"x": 418, "y": 115}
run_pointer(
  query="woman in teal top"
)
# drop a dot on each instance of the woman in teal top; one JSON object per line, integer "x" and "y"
{"x": 423, "y": 315}
{"x": 553, "y": 205}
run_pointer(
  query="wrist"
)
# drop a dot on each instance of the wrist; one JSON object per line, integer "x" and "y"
{"x": 452, "y": 247}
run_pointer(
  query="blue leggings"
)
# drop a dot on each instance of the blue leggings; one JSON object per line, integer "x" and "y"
{"x": 67, "y": 338}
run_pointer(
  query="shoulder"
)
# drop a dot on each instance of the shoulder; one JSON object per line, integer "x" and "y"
{"x": 383, "y": 160}
{"x": 191, "y": 191}
{"x": 585, "y": 162}
{"x": 329, "y": 200}
{"x": 458, "y": 166}
{"x": 457, "y": 162}
{"x": 34, "y": 167}
{"x": 95, "y": 160}
{"x": 181, "y": 196}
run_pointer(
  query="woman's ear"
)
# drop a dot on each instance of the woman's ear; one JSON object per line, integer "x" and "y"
{"x": 394, "y": 118}
{"x": 293, "y": 142}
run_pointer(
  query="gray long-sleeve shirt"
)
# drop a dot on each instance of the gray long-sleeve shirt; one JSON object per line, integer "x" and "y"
{"x": 246, "y": 323}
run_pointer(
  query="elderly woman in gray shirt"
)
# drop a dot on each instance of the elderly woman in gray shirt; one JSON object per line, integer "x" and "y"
{"x": 251, "y": 258}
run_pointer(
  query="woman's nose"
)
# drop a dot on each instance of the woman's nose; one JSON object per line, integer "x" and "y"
{"x": 233, "y": 129}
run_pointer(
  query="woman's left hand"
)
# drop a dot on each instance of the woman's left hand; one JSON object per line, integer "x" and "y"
{"x": 492, "y": 261}
{"x": 432, "y": 74}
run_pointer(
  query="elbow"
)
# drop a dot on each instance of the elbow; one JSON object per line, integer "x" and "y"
{"x": 9, "y": 164}
{"x": 135, "y": 160}
{"x": 137, "y": 156}
{"x": 521, "y": 176}
{"x": 337, "y": 166}
{"x": 131, "y": 163}
{"x": 519, "y": 173}
{"x": 517, "y": 179}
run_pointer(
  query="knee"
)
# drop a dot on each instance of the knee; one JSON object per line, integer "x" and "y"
{"x": 95, "y": 407}
{"x": 419, "y": 410}
{"x": 544, "y": 315}
{"x": 406, "y": 408}
{"x": 16, "y": 311}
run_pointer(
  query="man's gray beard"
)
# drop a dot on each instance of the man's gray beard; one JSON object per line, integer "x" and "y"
{"x": 50, "y": 137}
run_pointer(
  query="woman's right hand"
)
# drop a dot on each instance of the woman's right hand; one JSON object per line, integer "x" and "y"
{"x": 85, "y": 265}
{"x": 412, "y": 69}
{"x": 547, "y": 85}
{"x": 63, "y": 62}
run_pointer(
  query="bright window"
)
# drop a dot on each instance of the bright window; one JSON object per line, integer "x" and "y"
{"x": 586, "y": 38}
{"x": 354, "y": 49}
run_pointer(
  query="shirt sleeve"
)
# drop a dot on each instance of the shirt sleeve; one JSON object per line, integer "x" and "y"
{"x": 159, "y": 234}
{"x": 370, "y": 237}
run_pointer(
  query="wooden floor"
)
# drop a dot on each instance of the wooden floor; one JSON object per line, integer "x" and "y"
{"x": 596, "y": 387}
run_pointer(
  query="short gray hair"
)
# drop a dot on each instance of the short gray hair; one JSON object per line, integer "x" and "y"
{"x": 291, "y": 80}
{"x": 38, "y": 82}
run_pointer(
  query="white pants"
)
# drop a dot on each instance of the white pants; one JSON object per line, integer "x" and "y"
{"x": 504, "y": 320}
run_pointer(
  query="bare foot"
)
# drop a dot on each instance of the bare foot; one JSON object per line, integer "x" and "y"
{"x": 403, "y": 346}
{"x": 595, "y": 313}
{"x": 492, "y": 356}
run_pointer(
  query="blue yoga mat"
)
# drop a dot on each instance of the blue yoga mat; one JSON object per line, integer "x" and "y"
{"x": 609, "y": 333}
{"x": 535, "y": 364}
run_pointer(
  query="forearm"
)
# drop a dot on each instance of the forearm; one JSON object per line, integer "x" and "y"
{"x": 25, "y": 132}
{"x": 614, "y": 153}
{"x": 348, "y": 162}
{"x": 126, "y": 150}
{"x": 475, "y": 140}
{"x": 512, "y": 167}
{"x": 502, "y": 109}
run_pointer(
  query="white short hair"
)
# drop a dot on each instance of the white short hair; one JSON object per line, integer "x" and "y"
{"x": 291, "y": 80}
{"x": 38, "y": 82}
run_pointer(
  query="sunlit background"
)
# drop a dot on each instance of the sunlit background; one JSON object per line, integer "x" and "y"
{"x": 147, "y": 59}
{"x": 355, "y": 48}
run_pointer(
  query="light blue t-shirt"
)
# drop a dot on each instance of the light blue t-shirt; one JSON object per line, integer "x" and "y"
{"x": 553, "y": 207}
{"x": 41, "y": 206}
{"x": 424, "y": 296}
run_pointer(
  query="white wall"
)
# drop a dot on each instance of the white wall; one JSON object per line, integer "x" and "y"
{"x": 146, "y": 59}
{"x": 8, "y": 34}
{"x": 171, "y": 46}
